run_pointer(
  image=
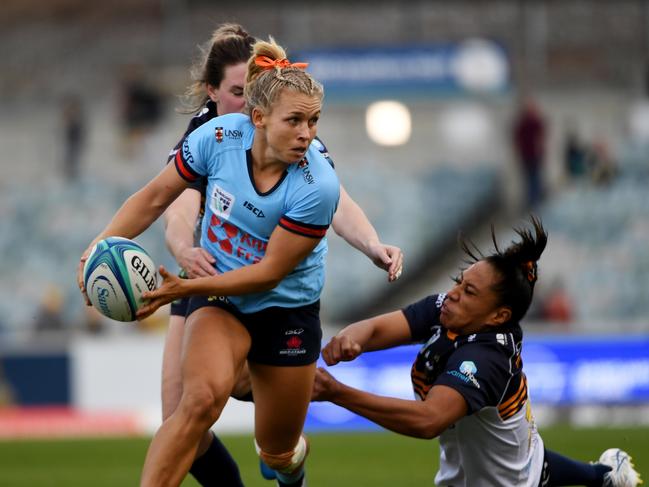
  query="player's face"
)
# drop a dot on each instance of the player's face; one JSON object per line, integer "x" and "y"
{"x": 229, "y": 94}
{"x": 472, "y": 302}
{"x": 291, "y": 125}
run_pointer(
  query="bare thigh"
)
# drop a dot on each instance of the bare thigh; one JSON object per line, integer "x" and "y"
{"x": 282, "y": 396}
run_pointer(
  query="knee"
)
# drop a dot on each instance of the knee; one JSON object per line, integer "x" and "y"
{"x": 287, "y": 462}
{"x": 202, "y": 403}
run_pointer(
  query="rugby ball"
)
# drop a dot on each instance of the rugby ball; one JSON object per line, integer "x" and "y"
{"x": 118, "y": 271}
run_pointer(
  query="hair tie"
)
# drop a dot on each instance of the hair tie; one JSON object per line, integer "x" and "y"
{"x": 267, "y": 63}
{"x": 530, "y": 268}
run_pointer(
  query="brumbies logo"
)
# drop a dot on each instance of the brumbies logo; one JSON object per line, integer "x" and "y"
{"x": 218, "y": 133}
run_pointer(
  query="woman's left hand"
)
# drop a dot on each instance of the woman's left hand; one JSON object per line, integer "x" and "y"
{"x": 171, "y": 289}
{"x": 388, "y": 258}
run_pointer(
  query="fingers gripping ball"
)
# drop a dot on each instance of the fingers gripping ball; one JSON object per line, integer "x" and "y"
{"x": 118, "y": 271}
{"x": 288, "y": 462}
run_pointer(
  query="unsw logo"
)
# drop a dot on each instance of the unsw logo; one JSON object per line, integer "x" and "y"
{"x": 304, "y": 165}
{"x": 219, "y": 132}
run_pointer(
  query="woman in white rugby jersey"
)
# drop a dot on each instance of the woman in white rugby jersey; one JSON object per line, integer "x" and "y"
{"x": 468, "y": 378}
{"x": 219, "y": 78}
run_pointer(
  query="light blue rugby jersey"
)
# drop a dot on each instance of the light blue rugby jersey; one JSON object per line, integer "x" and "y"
{"x": 239, "y": 219}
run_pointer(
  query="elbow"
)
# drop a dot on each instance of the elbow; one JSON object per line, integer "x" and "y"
{"x": 427, "y": 429}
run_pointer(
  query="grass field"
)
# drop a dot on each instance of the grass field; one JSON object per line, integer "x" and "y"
{"x": 360, "y": 460}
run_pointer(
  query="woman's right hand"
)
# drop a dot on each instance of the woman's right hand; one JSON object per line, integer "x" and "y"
{"x": 197, "y": 262}
{"x": 341, "y": 348}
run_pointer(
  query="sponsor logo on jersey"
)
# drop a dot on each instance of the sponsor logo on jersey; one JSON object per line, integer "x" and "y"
{"x": 218, "y": 133}
{"x": 306, "y": 173}
{"x": 221, "y": 202}
{"x": 234, "y": 134}
{"x": 255, "y": 211}
{"x": 501, "y": 338}
{"x": 466, "y": 373}
{"x": 440, "y": 300}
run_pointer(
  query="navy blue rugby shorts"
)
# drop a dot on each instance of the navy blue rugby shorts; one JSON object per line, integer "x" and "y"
{"x": 280, "y": 336}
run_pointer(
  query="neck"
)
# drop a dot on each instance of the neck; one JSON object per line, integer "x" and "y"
{"x": 263, "y": 158}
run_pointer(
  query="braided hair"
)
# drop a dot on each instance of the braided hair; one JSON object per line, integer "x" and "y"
{"x": 516, "y": 265}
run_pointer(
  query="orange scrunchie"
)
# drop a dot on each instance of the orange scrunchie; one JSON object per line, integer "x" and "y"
{"x": 268, "y": 63}
{"x": 530, "y": 268}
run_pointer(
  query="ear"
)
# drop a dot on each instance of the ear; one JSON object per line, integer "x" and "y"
{"x": 258, "y": 117}
{"x": 212, "y": 92}
{"x": 502, "y": 315}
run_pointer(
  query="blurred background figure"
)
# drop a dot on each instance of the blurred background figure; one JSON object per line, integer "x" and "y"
{"x": 74, "y": 136}
{"x": 142, "y": 107}
{"x": 529, "y": 141}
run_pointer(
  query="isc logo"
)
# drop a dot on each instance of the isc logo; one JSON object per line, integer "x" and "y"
{"x": 256, "y": 211}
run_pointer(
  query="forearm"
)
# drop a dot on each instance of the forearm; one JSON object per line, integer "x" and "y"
{"x": 134, "y": 216}
{"x": 351, "y": 223}
{"x": 407, "y": 417}
{"x": 245, "y": 280}
{"x": 179, "y": 234}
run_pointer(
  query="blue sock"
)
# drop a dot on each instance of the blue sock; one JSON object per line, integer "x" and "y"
{"x": 266, "y": 472}
{"x": 216, "y": 467}
{"x": 565, "y": 471}
{"x": 293, "y": 480}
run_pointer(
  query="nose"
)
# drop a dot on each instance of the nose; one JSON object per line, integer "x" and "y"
{"x": 454, "y": 293}
{"x": 303, "y": 132}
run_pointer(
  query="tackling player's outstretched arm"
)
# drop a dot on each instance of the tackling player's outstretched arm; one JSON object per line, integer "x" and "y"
{"x": 420, "y": 419}
{"x": 377, "y": 333}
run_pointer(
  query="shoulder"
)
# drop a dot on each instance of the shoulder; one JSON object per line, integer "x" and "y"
{"x": 498, "y": 347}
{"x": 231, "y": 131}
{"x": 423, "y": 315}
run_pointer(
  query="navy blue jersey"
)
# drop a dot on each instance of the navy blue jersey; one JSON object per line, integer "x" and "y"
{"x": 497, "y": 443}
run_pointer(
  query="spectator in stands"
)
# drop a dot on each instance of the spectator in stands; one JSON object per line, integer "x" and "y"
{"x": 556, "y": 305}
{"x": 74, "y": 136}
{"x": 574, "y": 155}
{"x": 468, "y": 377}
{"x": 217, "y": 90}
{"x": 602, "y": 166}
{"x": 49, "y": 316}
{"x": 529, "y": 137}
{"x": 141, "y": 106}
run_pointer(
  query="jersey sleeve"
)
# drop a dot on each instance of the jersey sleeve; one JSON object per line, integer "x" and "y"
{"x": 422, "y": 316}
{"x": 312, "y": 207}
{"x": 199, "y": 183}
{"x": 192, "y": 158}
{"x": 479, "y": 372}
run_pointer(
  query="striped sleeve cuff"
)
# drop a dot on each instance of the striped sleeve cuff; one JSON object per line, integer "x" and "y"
{"x": 304, "y": 229}
{"x": 186, "y": 172}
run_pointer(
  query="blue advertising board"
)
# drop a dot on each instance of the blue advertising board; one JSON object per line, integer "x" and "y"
{"x": 471, "y": 66}
{"x": 611, "y": 370}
